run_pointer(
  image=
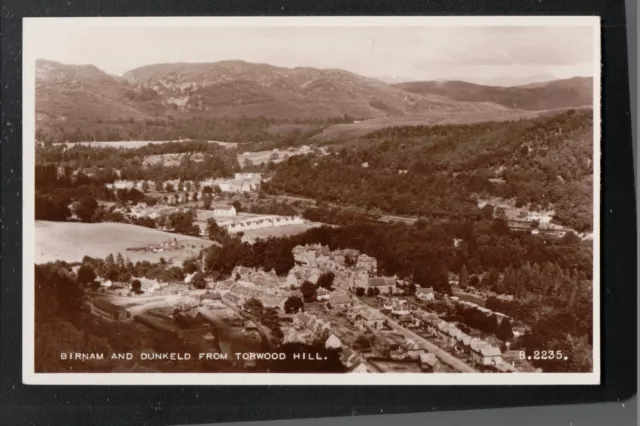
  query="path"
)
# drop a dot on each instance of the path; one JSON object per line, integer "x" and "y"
{"x": 266, "y": 344}
{"x": 443, "y": 355}
{"x": 383, "y": 218}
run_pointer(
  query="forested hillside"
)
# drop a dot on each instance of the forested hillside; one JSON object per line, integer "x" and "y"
{"x": 433, "y": 171}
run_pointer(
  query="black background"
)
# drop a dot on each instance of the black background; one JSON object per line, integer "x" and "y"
{"x": 181, "y": 404}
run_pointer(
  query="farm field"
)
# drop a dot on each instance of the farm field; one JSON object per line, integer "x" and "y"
{"x": 71, "y": 241}
{"x": 258, "y": 157}
{"x": 136, "y": 144}
{"x": 457, "y": 292}
{"x": 361, "y": 128}
{"x": 282, "y": 231}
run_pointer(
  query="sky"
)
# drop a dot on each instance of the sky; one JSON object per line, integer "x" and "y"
{"x": 402, "y": 53}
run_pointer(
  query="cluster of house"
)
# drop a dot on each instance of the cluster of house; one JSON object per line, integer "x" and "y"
{"x": 351, "y": 268}
{"x": 262, "y": 222}
{"x": 548, "y": 229}
{"x": 480, "y": 351}
{"x": 366, "y": 318}
{"x": 318, "y": 255}
{"x": 247, "y": 283}
{"x": 308, "y": 329}
{"x": 241, "y": 182}
{"x": 410, "y": 350}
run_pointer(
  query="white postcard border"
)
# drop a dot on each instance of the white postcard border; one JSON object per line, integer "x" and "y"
{"x": 30, "y": 377}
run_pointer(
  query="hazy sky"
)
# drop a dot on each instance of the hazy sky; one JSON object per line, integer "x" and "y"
{"x": 406, "y": 53}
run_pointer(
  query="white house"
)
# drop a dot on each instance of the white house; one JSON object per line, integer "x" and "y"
{"x": 425, "y": 294}
{"x": 333, "y": 342}
{"x": 225, "y": 211}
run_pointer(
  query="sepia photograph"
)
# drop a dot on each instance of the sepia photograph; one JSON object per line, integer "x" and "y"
{"x": 287, "y": 201}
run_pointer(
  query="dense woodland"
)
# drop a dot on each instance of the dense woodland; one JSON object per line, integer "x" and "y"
{"x": 217, "y": 161}
{"x": 431, "y": 171}
{"x": 281, "y": 133}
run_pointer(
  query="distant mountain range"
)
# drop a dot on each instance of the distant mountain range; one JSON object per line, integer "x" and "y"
{"x": 83, "y": 93}
{"x": 572, "y": 92}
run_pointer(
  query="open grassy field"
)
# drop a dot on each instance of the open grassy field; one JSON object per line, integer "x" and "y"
{"x": 457, "y": 292}
{"x": 361, "y": 128}
{"x": 258, "y": 157}
{"x": 71, "y": 241}
{"x": 282, "y": 231}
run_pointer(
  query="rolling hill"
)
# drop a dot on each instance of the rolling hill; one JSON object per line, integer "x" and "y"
{"x": 567, "y": 93}
{"x": 223, "y": 89}
{"x": 83, "y": 92}
{"x": 237, "y": 88}
{"x": 199, "y": 100}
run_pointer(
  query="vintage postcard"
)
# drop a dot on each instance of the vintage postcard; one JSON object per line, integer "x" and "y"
{"x": 284, "y": 201}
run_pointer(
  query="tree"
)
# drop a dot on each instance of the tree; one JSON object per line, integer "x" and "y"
{"x": 85, "y": 208}
{"x": 370, "y": 292}
{"x": 159, "y": 184}
{"x": 254, "y": 307}
{"x": 189, "y": 266}
{"x": 85, "y": 275}
{"x": 145, "y": 186}
{"x": 215, "y": 232}
{"x": 487, "y": 211}
{"x": 359, "y": 291}
{"x": 198, "y": 281}
{"x": 217, "y": 190}
{"x": 270, "y": 319}
{"x": 169, "y": 187}
{"x": 120, "y": 261}
{"x": 411, "y": 288}
{"x": 293, "y": 304}
{"x": 136, "y": 286}
{"x": 505, "y": 330}
{"x": 308, "y": 291}
{"x": 490, "y": 280}
{"x": 236, "y": 204}
{"x": 207, "y": 201}
{"x": 363, "y": 343}
{"x": 325, "y": 280}
{"x": 464, "y": 277}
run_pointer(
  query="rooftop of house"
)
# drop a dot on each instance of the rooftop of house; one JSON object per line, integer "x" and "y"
{"x": 381, "y": 281}
{"x": 340, "y": 298}
{"x": 105, "y": 305}
{"x": 428, "y": 358}
{"x": 211, "y": 296}
{"x": 490, "y": 351}
{"x": 424, "y": 290}
{"x": 371, "y": 315}
{"x": 333, "y": 342}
